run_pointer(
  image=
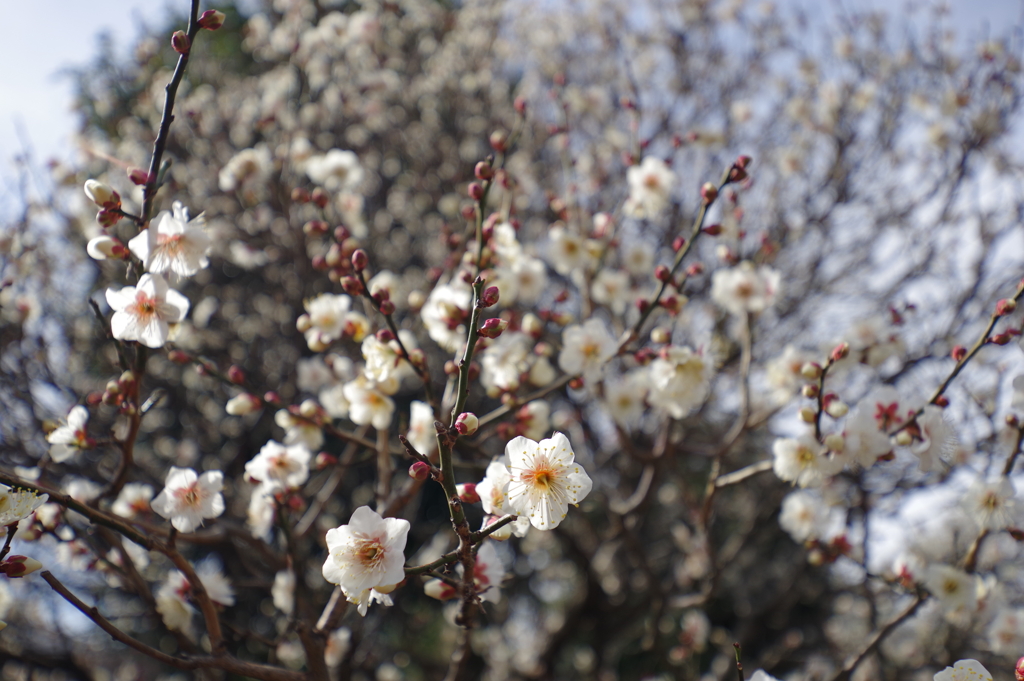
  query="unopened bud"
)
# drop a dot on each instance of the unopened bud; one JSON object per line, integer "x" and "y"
{"x": 490, "y": 296}
{"x": 300, "y": 195}
{"x": 1006, "y": 306}
{"x": 181, "y": 42}
{"x": 19, "y": 566}
{"x": 243, "y": 404}
{"x": 678, "y": 243}
{"x": 467, "y": 423}
{"x": 323, "y": 460}
{"x": 211, "y": 20}
{"x": 315, "y": 227}
{"x": 695, "y": 270}
{"x": 102, "y": 195}
{"x": 179, "y": 357}
{"x": 1018, "y": 670}
{"x": 743, "y": 162}
{"x": 1012, "y": 421}
{"x": 810, "y": 390}
{"x": 903, "y": 438}
{"x": 712, "y": 230}
{"x": 811, "y": 371}
{"x": 941, "y": 401}
{"x": 271, "y": 397}
{"x": 352, "y": 286}
{"x": 476, "y": 191}
{"x": 837, "y": 409}
{"x": 807, "y": 415}
{"x": 661, "y": 335}
{"x": 493, "y": 327}
{"x": 498, "y": 140}
{"x": 519, "y": 104}
{"x": 577, "y": 383}
{"x": 419, "y": 470}
{"x": 483, "y": 171}
{"x": 236, "y": 375}
{"x": 835, "y": 442}
{"x": 840, "y": 352}
{"x": 709, "y": 192}
{"x": 108, "y": 218}
{"x": 959, "y": 352}
{"x": 138, "y": 176}
{"x": 442, "y": 591}
{"x": 309, "y": 409}
{"x": 303, "y": 323}
{"x": 662, "y": 273}
{"x": 360, "y": 260}
{"x": 1000, "y": 339}
{"x": 467, "y": 493}
{"x": 105, "y": 247}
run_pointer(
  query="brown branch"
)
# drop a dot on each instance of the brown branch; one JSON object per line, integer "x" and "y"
{"x": 877, "y": 638}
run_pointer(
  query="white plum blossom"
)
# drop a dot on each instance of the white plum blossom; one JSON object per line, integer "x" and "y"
{"x": 784, "y": 372}
{"x": 82, "y": 490}
{"x": 803, "y": 461}
{"x": 493, "y": 492}
{"x": 16, "y": 504}
{"x": 324, "y": 320}
{"x": 144, "y": 312}
{"x": 279, "y": 467}
{"x": 586, "y": 348}
{"x": 70, "y": 437}
{"x": 679, "y": 381}
{"x": 955, "y": 589}
{"x": 624, "y": 397}
{"x": 650, "y": 188}
{"x": 335, "y": 170}
{"x": 534, "y": 419}
{"x": 173, "y": 243}
{"x": 249, "y": 165}
{"x": 368, "y": 405}
{"x": 261, "y": 512}
{"x": 299, "y": 430}
{"x": 172, "y": 598}
{"x": 991, "y": 504}
{"x": 611, "y": 288}
{"x": 745, "y": 288}
{"x": 134, "y": 500}
{"x": 488, "y": 573}
{"x": 936, "y": 439}
{"x": 505, "y": 360}
{"x": 368, "y": 552}
{"x": 964, "y": 670}
{"x": 567, "y": 251}
{"x": 187, "y": 499}
{"x": 520, "y": 278}
{"x": 874, "y": 340}
{"x": 422, "y": 434}
{"x": 445, "y": 313}
{"x": 868, "y": 425}
{"x": 283, "y": 591}
{"x": 384, "y": 361}
{"x": 638, "y": 258}
{"x": 803, "y": 515}
{"x": 544, "y": 479}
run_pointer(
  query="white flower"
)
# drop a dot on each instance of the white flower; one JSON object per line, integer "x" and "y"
{"x": 172, "y": 598}
{"x": 261, "y": 512}
{"x": 1006, "y": 632}
{"x": 187, "y": 499}
{"x": 488, "y": 573}
{"x": 611, "y": 288}
{"x": 936, "y": 437}
{"x": 243, "y": 404}
{"x": 520, "y": 278}
{"x": 868, "y": 426}
{"x": 534, "y": 419}
{"x": 761, "y": 675}
{"x": 422, "y": 434}
{"x": 955, "y": 589}
{"x": 173, "y": 243}
{"x": 248, "y": 164}
{"x": 679, "y": 381}
{"x": 337, "y": 646}
{"x": 964, "y": 670}
{"x": 68, "y": 438}
{"x": 444, "y": 314}
{"x": 544, "y": 479}
{"x": 313, "y": 374}
{"x": 143, "y": 313}
{"x": 803, "y": 515}
{"x": 624, "y": 397}
{"x": 299, "y": 430}
{"x": 505, "y": 360}
{"x": 133, "y": 500}
{"x": 783, "y": 372}
{"x": 638, "y": 258}
{"x": 335, "y": 170}
{"x": 326, "y": 315}
{"x": 493, "y": 489}
{"x": 384, "y": 360}
{"x": 567, "y": 251}
{"x": 368, "y": 552}
{"x": 585, "y": 349}
{"x": 17, "y": 504}
{"x": 283, "y": 591}
{"x": 217, "y": 586}
{"x": 991, "y": 504}
{"x": 368, "y": 405}
{"x": 367, "y": 597}
{"x": 745, "y": 289}
{"x": 280, "y": 467}
{"x": 82, "y": 490}
{"x": 803, "y": 461}
{"x": 650, "y": 188}
{"x": 333, "y": 401}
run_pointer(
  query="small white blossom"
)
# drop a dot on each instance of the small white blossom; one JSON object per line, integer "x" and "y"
{"x": 422, "y": 434}
{"x": 545, "y": 479}
{"x": 299, "y": 430}
{"x": 937, "y": 438}
{"x": 1006, "y": 632}
{"x": 567, "y": 251}
{"x": 261, "y": 512}
{"x": 803, "y": 461}
{"x": 868, "y": 426}
{"x": 505, "y": 360}
{"x": 283, "y": 591}
{"x": 335, "y": 170}
{"x": 611, "y": 288}
{"x": 964, "y": 670}
{"x": 624, "y": 397}
{"x": 327, "y": 315}
{"x": 144, "y": 313}
{"x": 650, "y": 188}
{"x": 445, "y": 314}
{"x": 955, "y": 589}
{"x": 638, "y": 258}
{"x": 586, "y": 348}
{"x": 173, "y": 243}
{"x": 133, "y": 500}
{"x": 17, "y": 504}
{"x": 384, "y": 361}
{"x": 280, "y": 467}
{"x": 679, "y": 381}
{"x": 534, "y": 419}
{"x": 745, "y": 288}
{"x": 249, "y": 165}
{"x": 70, "y": 437}
{"x": 367, "y": 552}
{"x": 803, "y": 515}
{"x": 991, "y": 504}
{"x": 784, "y": 372}
{"x": 368, "y": 405}
{"x": 187, "y": 499}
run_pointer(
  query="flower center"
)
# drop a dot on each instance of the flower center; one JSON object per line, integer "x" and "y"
{"x": 370, "y": 553}
{"x": 805, "y": 456}
{"x": 542, "y": 476}
{"x": 144, "y": 305}
{"x": 189, "y": 496}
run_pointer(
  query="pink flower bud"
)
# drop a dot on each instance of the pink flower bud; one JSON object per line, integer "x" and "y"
{"x": 695, "y": 270}
{"x": 420, "y": 470}
{"x": 352, "y": 286}
{"x": 493, "y": 327}
{"x": 476, "y": 191}
{"x": 467, "y": 493}
{"x": 211, "y": 19}
{"x": 181, "y": 42}
{"x": 1018, "y": 670}
{"x": 19, "y": 566}
{"x": 519, "y": 104}
{"x": 442, "y": 591}
{"x": 360, "y": 260}
{"x": 102, "y": 195}
{"x": 138, "y": 176}
{"x": 839, "y": 352}
{"x": 321, "y": 198}
{"x": 1000, "y": 339}
{"x": 108, "y": 218}
{"x": 743, "y": 162}
{"x": 179, "y": 357}
{"x": 498, "y": 140}
{"x": 387, "y": 307}
{"x": 678, "y": 243}
{"x": 942, "y": 401}
{"x": 662, "y": 273}
{"x": 709, "y": 192}
{"x": 105, "y": 248}
{"x": 713, "y": 230}
{"x": 483, "y": 171}
{"x": 323, "y": 460}
{"x": 959, "y": 352}
{"x": 236, "y": 375}
{"x": 315, "y": 227}
{"x": 467, "y": 423}
{"x": 271, "y": 397}
{"x": 1006, "y": 306}
{"x": 489, "y": 297}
